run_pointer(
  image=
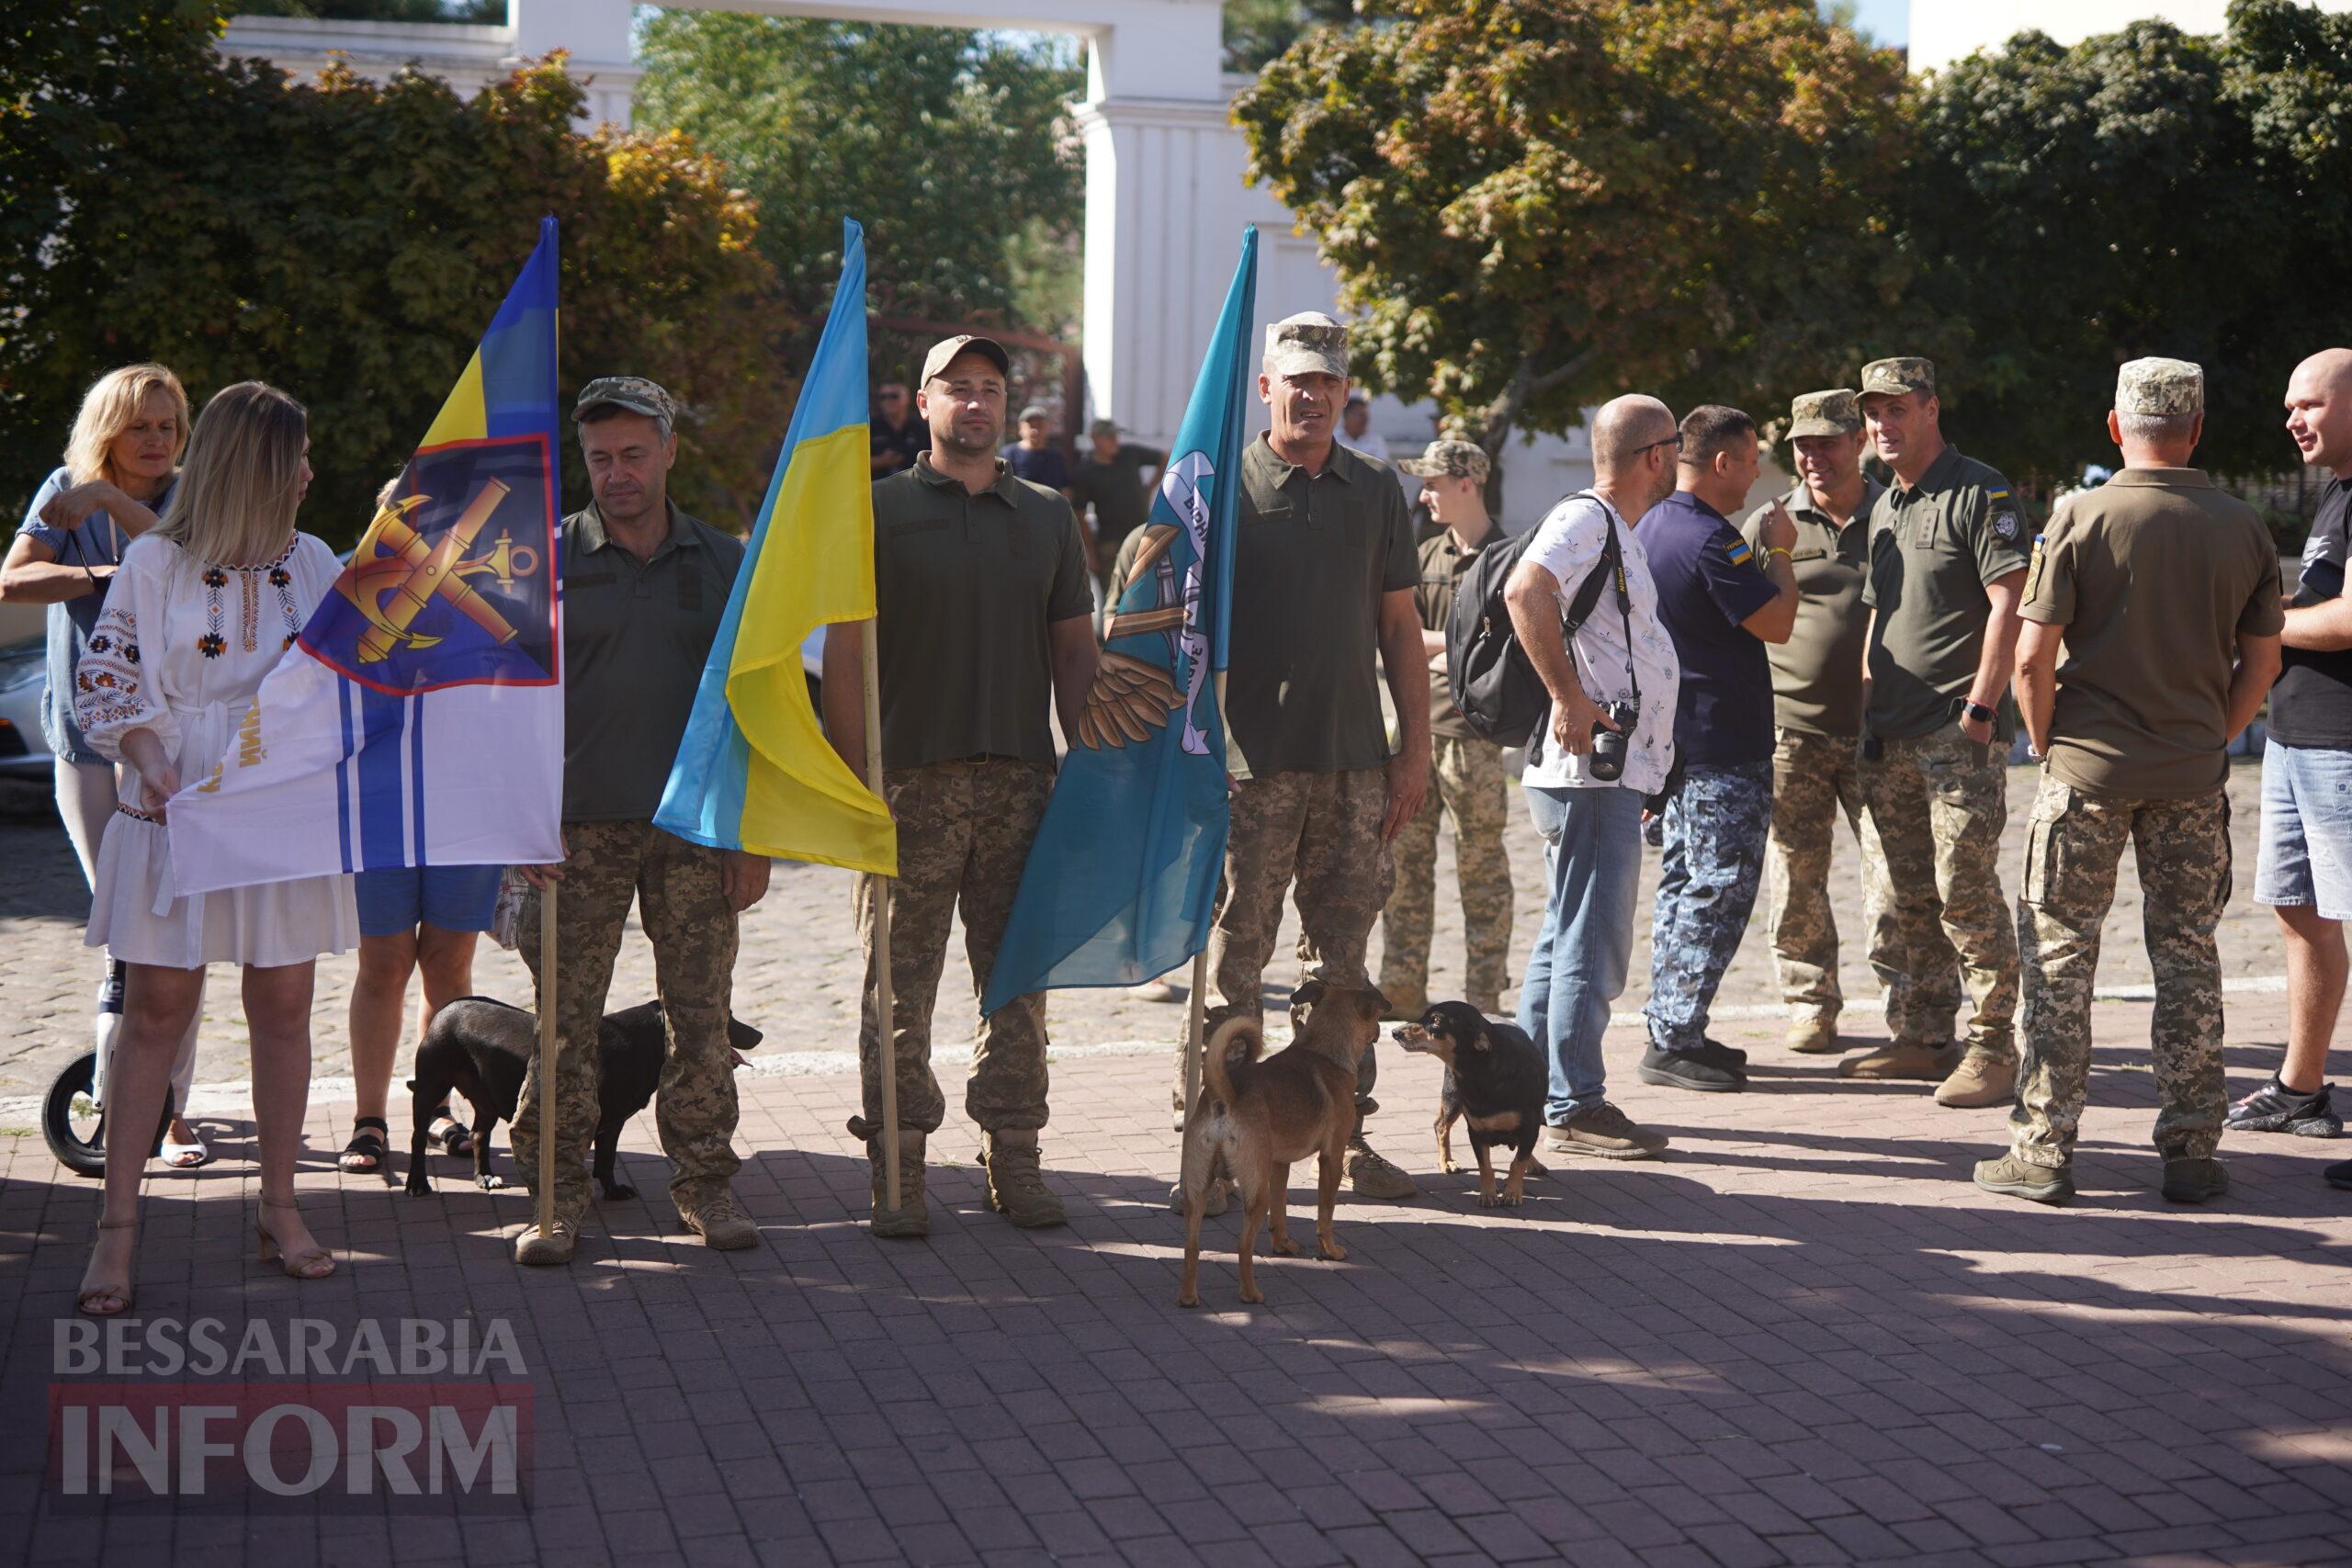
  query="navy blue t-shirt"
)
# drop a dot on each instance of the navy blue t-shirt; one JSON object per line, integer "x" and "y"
{"x": 1708, "y": 582}
{"x": 1047, "y": 465}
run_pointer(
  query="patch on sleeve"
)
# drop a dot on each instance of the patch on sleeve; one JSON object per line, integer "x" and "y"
{"x": 2004, "y": 524}
{"x": 1738, "y": 551}
{"x": 2033, "y": 568}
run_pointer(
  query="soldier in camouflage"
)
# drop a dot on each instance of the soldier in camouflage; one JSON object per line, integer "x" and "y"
{"x": 1467, "y": 773}
{"x": 2165, "y": 594}
{"x": 644, "y": 587}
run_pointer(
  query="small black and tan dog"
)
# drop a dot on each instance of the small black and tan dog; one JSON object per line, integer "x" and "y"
{"x": 482, "y": 1049}
{"x": 1496, "y": 1082}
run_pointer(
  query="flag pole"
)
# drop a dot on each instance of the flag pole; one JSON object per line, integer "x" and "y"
{"x": 885, "y": 1013}
{"x": 1196, "y": 1003}
{"x": 546, "y": 1059}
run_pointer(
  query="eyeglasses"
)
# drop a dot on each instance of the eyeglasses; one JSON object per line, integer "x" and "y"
{"x": 1674, "y": 441}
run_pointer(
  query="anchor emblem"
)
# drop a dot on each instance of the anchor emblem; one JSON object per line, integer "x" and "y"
{"x": 390, "y": 590}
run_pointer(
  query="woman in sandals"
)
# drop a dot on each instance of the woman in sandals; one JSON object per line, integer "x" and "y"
{"x": 120, "y": 463}
{"x": 199, "y": 612}
{"x": 413, "y": 919}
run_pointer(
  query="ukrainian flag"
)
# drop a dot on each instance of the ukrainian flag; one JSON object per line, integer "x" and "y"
{"x": 755, "y": 771}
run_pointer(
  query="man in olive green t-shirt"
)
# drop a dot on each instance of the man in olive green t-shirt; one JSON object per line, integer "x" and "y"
{"x": 1111, "y": 482}
{"x": 985, "y": 618}
{"x": 2165, "y": 592}
{"x": 1948, "y": 554}
{"x": 1323, "y": 578}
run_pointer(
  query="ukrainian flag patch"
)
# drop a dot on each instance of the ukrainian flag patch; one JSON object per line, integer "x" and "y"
{"x": 1738, "y": 552}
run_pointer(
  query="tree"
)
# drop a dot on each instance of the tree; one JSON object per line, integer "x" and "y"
{"x": 1535, "y": 204}
{"x": 948, "y": 146}
{"x": 349, "y": 243}
{"x": 1257, "y": 30}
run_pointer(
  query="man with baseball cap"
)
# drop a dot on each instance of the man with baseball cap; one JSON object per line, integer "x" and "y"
{"x": 1817, "y": 720}
{"x": 1035, "y": 456}
{"x": 1948, "y": 560}
{"x": 2165, "y": 592}
{"x": 1465, "y": 773}
{"x": 1114, "y": 482}
{"x": 984, "y": 620}
{"x": 644, "y": 587}
{"x": 1323, "y": 579}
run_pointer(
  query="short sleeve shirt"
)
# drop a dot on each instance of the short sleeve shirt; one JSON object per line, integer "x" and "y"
{"x": 2155, "y": 576}
{"x": 1568, "y": 544}
{"x": 1708, "y": 582}
{"x": 2311, "y": 703}
{"x": 1115, "y": 491}
{"x": 1817, "y": 674}
{"x": 903, "y": 442}
{"x": 635, "y": 636}
{"x": 1934, "y": 546}
{"x": 966, "y": 587}
{"x": 99, "y": 541}
{"x": 1444, "y": 561}
{"x": 1313, "y": 557}
{"x": 1047, "y": 465}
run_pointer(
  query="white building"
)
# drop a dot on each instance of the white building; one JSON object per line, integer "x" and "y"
{"x": 1946, "y": 31}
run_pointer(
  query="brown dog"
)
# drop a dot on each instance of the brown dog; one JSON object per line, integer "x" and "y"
{"x": 1254, "y": 1118}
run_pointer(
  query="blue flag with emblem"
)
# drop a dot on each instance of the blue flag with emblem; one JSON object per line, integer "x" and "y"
{"x": 1121, "y": 881}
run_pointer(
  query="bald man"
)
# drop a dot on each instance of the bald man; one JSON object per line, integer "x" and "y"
{"x": 2303, "y": 865}
{"x": 1617, "y": 671}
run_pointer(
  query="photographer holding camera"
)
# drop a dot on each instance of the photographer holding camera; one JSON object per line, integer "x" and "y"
{"x": 1721, "y": 600}
{"x": 1613, "y": 681}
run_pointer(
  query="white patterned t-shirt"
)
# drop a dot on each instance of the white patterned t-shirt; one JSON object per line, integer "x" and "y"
{"x": 1568, "y": 543}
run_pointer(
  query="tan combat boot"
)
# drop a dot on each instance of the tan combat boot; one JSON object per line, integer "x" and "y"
{"x": 535, "y": 1250}
{"x": 1904, "y": 1059}
{"x": 911, "y": 1218}
{"x": 1370, "y": 1176}
{"x": 721, "y": 1223}
{"x": 1016, "y": 1185}
{"x": 1814, "y": 1036}
{"x": 1980, "y": 1080}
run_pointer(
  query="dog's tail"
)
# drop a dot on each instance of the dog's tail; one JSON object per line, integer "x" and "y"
{"x": 1217, "y": 1067}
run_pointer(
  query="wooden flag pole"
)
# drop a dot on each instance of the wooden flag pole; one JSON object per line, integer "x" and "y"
{"x": 546, "y": 1059}
{"x": 1196, "y": 1004}
{"x": 885, "y": 1013}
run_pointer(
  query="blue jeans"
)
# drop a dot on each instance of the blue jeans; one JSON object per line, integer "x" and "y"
{"x": 1717, "y": 825}
{"x": 1592, "y": 858}
{"x": 2305, "y": 850}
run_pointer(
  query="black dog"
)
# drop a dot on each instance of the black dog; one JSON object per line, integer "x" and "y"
{"x": 483, "y": 1048}
{"x": 1496, "y": 1082}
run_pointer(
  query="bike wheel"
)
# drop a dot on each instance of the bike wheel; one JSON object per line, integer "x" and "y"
{"x": 72, "y": 1122}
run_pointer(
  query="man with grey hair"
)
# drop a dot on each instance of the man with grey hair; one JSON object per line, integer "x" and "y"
{"x": 1323, "y": 578}
{"x": 2165, "y": 592}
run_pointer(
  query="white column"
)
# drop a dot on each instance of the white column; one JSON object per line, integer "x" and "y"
{"x": 597, "y": 34}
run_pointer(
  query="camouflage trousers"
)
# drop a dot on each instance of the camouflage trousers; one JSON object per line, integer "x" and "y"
{"x": 2071, "y": 850}
{"x": 1939, "y": 802}
{"x": 1814, "y": 778}
{"x": 1467, "y": 784}
{"x": 1322, "y": 831}
{"x": 674, "y": 884}
{"x": 964, "y": 833}
{"x": 1715, "y": 827}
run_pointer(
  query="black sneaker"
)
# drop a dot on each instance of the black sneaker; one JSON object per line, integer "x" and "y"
{"x": 2339, "y": 1175}
{"x": 1689, "y": 1069}
{"x": 2275, "y": 1108}
{"x": 1715, "y": 1051}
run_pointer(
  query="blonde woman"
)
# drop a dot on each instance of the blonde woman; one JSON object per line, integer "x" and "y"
{"x": 200, "y": 609}
{"x": 119, "y": 466}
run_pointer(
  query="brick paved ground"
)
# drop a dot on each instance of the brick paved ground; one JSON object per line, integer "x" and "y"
{"x": 1804, "y": 1339}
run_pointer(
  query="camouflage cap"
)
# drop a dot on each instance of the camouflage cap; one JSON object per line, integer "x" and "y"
{"x": 1896, "y": 377}
{"x": 943, "y": 354}
{"x": 1462, "y": 459}
{"x": 2160, "y": 387}
{"x": 634, "y": 393}
{"x": 1308, "y": 344}
{"x": 1837, "y": 411}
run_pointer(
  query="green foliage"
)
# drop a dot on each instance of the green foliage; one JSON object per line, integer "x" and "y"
{"x": 1258, "y": 30}
{"x": 1535, "y": 204}
{"x": 475, "y": 11}
{"x": 949, "y": 147}
{"x": 349, "y": 241}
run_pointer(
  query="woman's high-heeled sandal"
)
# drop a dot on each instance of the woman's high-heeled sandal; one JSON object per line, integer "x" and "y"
{"x": 299, "y": 1266}
{"x": 120, "y": 1294}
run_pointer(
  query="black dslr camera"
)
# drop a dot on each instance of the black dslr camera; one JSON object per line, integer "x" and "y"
{"x": 1609, "y": 745}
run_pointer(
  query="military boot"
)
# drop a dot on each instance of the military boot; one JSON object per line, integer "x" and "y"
{"x": 1814, "y": 1036}
{"x": 1980, "y": 1080}
{"x": 1370, "y": 1176}
{"x": 1017, "y": 1186}
{"x": 1903, "y": 1059}
{"x": 2015, "y": 1178}
{"x": 562, "y": 1236}
{"x": 2194, "y": 1180}
{"x": 721, "y": 1223}
{"x": 911, "y": 1218}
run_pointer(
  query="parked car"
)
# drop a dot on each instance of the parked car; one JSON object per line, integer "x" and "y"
{"x": 24, "y": 753}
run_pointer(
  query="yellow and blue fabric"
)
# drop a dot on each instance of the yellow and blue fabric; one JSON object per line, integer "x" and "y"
{"x": 755, "y": 771}
{"x": 1121, "y": 881}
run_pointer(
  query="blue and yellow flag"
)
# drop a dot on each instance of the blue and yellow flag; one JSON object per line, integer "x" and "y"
{"x": 1121, "y": 882}
{"x": 755, "y": 771}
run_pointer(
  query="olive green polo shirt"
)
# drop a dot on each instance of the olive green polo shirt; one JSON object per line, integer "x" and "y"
{"x": 1313, "y": 557}
{"x": 1817, "y": 674}
{"x": 1116, "y": 490}
{"x": 636, "y": 634}
{"x": 1443, "y": 563}
{"x": 1934, "y": 546}
{"x": 2155, "y": 575}
{"x": 966, "y": 586}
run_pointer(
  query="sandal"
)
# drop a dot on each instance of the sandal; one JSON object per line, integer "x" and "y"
{"x": 189, "y": 1156}
{"x": 456, "y": 1140}
{"x": 370, "y": 1142}
{"x": 304, "y": 1264}
{"x": 89, "y": 1300}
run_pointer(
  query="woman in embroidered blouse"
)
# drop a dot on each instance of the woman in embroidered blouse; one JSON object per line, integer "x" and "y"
{"x": 199, "y": 611}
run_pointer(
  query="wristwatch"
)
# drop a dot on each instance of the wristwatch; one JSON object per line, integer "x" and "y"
{"x": 1980, "y": 712}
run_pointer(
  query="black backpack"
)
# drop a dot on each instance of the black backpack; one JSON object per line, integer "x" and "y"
{"x": 1494, "y": 685}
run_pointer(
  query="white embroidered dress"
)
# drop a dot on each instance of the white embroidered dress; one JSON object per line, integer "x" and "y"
{"x": 179, "y": 650}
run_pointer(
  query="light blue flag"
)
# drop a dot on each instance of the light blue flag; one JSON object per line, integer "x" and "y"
{"x": 1121, "y": 882}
